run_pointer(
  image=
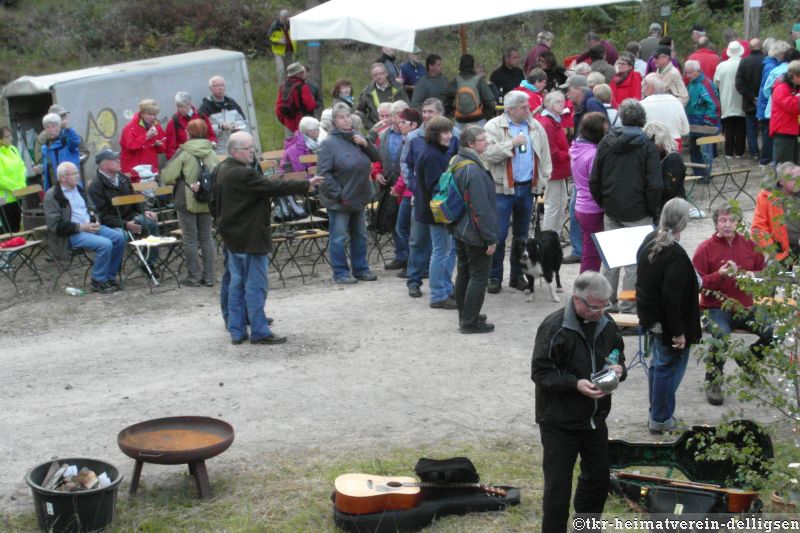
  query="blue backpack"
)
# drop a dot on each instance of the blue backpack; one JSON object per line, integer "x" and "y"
{"x": 448, "y": 205}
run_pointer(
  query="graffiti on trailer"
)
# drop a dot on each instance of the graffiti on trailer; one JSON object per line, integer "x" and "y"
{"x": 101, "y": 129}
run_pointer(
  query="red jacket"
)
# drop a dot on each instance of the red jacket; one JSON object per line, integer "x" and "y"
{"x": 765, "y": 227}
{"x": 711, "y": 255}
{"x": 785, "y": 109}
{"x": 176, "y": 130}
{"x": 534, "y": 98}
{"x": 304, "y": 106}
{"x": 136, "y": 149}
{"x": 559, "y": 147}
{"x": 708, "y": 60}
{"x": 630, "y": 87}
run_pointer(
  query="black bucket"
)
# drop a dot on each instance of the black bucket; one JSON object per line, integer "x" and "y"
{"x": 88, "y": 510}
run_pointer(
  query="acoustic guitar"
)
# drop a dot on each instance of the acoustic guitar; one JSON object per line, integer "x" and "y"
{"x": 365, "y": 494}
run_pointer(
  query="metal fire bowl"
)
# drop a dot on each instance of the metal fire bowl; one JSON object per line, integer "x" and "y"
{"x": 176, "y": 440}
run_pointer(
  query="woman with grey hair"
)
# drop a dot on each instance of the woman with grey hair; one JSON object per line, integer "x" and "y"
{"x": 305, "y": 141}
{"x": 555, "y": 193}
{"x": 673, "y": 169}
{"x": 345, "y": 161}
{"x": 667, "y": 291}
{"x": 176, "y": 127}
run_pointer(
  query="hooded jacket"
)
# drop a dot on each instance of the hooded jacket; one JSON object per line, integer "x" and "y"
{"x": 626, "y": 180}
{"x": 626, "y": 87}
{"x": 176, "y": 130}
{"x": 784, "y": 117}
{"x": 581, "y": 155}
{"x": 761, "y": 103}
{"x": 346, "y": 168}
{"x": 768, "y": 225}
{"x": 183, "y": 170}
{"x": 294, "y": 147}
{"x": 12, "y": 172}
{"x": 136, "y": 149}
{"x": 478, "y": 226}
{"x": 562, "y": 356}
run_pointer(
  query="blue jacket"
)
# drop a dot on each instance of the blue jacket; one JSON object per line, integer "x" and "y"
{"x": 430, "y": 164}
{"x": 761, "y": 104}
{"x": 63, "y": 148}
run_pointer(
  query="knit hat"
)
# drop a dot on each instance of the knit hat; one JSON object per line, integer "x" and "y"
{"x": 735, "y": 49}
{"x": 294, "y": 69}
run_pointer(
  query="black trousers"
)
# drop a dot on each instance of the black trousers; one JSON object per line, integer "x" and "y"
{"x": 472, "y": 277}
{"x": 13, "y": 215}
{"x": 735, "y": 131}
{"x": 561, "y": 449}
{"x": 784, "y": 148}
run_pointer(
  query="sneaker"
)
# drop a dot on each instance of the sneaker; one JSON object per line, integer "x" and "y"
{"x": 447, "y": 303}
{"x": 366, "y": 276}
{"x": 518, "y": 284}
{"x": 494, "y": 286}
{"x": 714, "y": 394}
{"x": 191, "y": 282}
{"x": 394, "y": 264}
{"x": 272, "y": 339}
{"x": 237, "y": 342}
{"x": 478, "y": 327}
{"x": 415, "y": 292}
{"x": 207, "y": 282}
{"x": 403, "y": 273}
{"x": 114, "y": 284}
{"x": 100, "y": 287}
{"x": 345, "y": 280}
{"x": 571, "y": 260}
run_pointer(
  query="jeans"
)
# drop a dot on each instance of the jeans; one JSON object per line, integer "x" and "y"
{"x": 561, "y": 448}
{"x": 419, "y": 252}
{"x": 402, "y": 230}
{"x": 612, "y": 274}
{"x": 723, "y": 323}
{"x": 342, "y": 225}
{"x": 575, "y": 230}
{"x": 472, "y": 278}
{"x": 766, "y": 143}
{"x": 247, "y": 295}
{"x": 666, "y": 373}
{"x": 196, "y": 233}
{"x": 703, "y": 155}
{"x": 108, "y": 245}
{"x": 443, "y": 261}
{"x": 751, "y": 127}
{"x": 520, "y": 207}
{"x": 590, "y": 223}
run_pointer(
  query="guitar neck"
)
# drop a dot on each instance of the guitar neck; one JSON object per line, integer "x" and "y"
{"x": 431, "y": 485}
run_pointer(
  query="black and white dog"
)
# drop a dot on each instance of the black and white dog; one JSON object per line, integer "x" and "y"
{"x": 541, "y": 257}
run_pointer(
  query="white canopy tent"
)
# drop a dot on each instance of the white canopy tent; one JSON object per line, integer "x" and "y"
{"x": 385, "y": 23}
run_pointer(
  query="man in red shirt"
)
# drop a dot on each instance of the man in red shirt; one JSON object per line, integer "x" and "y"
{"x": 707, "y": 58}
{"x": 720, "y": 260}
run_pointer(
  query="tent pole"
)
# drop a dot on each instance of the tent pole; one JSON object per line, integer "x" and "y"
{"x": 462, "y": 32}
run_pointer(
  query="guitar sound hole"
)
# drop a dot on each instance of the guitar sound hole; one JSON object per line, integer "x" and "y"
{"x": 394, "y": 484}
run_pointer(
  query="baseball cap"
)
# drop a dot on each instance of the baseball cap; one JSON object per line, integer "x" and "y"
{"x": 104, "y": 154}
{"x": 655, "y": 26}
{"x": 576, "y": 80}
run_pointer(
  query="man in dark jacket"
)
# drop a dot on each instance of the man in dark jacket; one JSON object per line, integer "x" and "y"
{"x": 508, "y": 75}
{"x": 241, "y": 207}
{"x": 579, "y": 93}
{"x": 223, "y": 112}
{"x": 625, "y": 182}
{"x": 572, "y": 344}
{"x": 475, "y": 232}
{"x": 748, "y": 82}
{"x": 381, "y": 89}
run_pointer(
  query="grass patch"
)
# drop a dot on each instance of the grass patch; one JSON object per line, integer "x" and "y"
{"x": 291, "y": 492}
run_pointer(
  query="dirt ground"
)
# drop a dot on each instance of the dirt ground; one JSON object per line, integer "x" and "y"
{"x": 365, "y": 367}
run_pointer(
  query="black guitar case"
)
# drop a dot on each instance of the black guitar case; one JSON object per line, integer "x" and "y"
{"x": 426, "y": 512}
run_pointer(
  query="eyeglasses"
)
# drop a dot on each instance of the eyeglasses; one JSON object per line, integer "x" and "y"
{"x": 247, "y": 148}
{"x": 595, "y": 308}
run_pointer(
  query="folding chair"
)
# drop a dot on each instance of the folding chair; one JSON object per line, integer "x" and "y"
{"x": 32, "y": 217}
{"x": 737, "y": 177}
{"x": 274, "y": 155}
{"x": 135, "y": 246}
{"x": 13, "y": 259}
{"x": 164, "y": 208}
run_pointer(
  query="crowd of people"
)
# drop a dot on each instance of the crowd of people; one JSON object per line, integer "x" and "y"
{"x": 611, "y": 122}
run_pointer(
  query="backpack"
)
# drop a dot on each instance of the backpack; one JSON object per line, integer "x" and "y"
{"x": 448, "y": 204}
{"x": 206, "y": 181}
{"x": 289, "y": 110}
{"x": 467, "y": 101}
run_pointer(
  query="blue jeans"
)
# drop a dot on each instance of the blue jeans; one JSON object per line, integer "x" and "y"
{"x": 666, "y": 373}
{"x": 402, "y": 230}
{"x": 108, "y": 245}
{"x": 419, "y": 252}
{"x": 703, "y": 155}
{"x": 724, "y": 323}
{"x": 443, "y": 261}
{"x": 149, "y": 227}
{"x": 343, "y": 225}
{"x": 247, "y": 295}
{"x": 766, "y": 144}
{"x": 575, "y": 230}
{"x": 518, "y": 206}
{"x": 751, "y": 123}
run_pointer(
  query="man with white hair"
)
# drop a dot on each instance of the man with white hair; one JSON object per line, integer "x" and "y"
{"x": 223, "y": 112}
{"x": 60, "y": 144}
{"x": 665, "y": 108}
{"x": 241, "y": 206}
{"x": 701, "y": 110}
{"x": 518, "y": 155}
{"x": 71, "y": 224}
{"x": 281, "y": 43}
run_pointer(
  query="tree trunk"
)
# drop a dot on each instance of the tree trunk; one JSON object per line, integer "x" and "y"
{"x": 314, "y": 64}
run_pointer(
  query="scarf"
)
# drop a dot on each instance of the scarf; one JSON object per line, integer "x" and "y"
{"x": 529, "y": 86}
{"x": 311, "y": 144}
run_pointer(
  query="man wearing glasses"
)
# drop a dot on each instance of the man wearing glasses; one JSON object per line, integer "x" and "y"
{"x": 572, "y": 344}
{"x": 242, "y": 208}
